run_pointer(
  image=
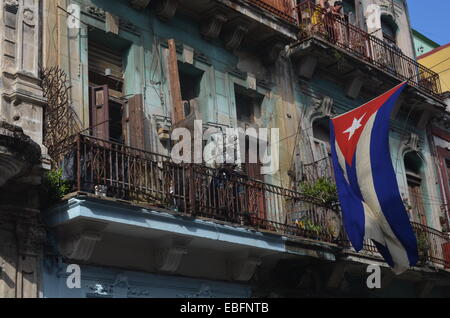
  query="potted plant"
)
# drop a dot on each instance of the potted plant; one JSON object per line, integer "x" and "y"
{"x": 323, "y": 189}
{"x": 423, "y": 247}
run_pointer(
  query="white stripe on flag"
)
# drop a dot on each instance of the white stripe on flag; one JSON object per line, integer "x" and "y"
{"x": 377, "y": 226}
{"x": 342, "y": 161}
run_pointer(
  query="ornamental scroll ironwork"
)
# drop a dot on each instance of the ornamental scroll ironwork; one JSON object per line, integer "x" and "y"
{"x": 60, "y": 125}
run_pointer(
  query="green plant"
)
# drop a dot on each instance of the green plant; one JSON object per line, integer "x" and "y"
{"x": 313, "y": 228}
{"x": 54, "y": 187}
{"x": 422, "y": 247}
{"x": 323, "y": 188}
{"x": 422, "y": 242}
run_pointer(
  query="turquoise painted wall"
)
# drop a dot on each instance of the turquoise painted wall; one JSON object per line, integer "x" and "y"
{"x": 102, "y": 282}
{"x": 422, "y": 44}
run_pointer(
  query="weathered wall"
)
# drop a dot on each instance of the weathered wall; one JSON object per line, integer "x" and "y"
{"x": 285, "y": 105}
{"x": 21, "y": 148}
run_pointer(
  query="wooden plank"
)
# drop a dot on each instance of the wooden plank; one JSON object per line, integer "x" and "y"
{"x": 100, "y": 112}
{"x": 175, "y": 88}
{"x": 135, "y": 122}
{"x": 112, "y": 23}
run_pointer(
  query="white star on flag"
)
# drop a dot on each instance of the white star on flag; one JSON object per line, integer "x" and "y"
{"x": 354, "y": 127}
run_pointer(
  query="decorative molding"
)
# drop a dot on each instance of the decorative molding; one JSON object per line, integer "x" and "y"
{"x": 29, "y": 17}
{"x": 272, "y": 52}
{"x": 121, "y": 288}
{"x": 321, "y": 108}
{"x": 128, "y": 26}
{"x": 166, "y": 9}
{"x": 243, "y": 269}
{"x": 96, "y": 12}
{"x": 11, "y": 4}
{"x": 412, "y": 142}
{"x": 169, "y": 259}
{"x": 238, "y": 73}
{"x": 213, "y": 26}
{"x": 80, "y": 247}
{"x": 233, "y": 38}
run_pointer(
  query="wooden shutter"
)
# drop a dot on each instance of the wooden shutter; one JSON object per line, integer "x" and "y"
{"x": 100, "y": 112}
{"x": 134, "y": 122}
{"x": 322, "y": 164}
{"x": 416, "y": 200}
{"x": 256, "y": 196}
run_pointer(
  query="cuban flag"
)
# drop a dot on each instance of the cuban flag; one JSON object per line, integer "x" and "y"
{"x": 372, "y": 206}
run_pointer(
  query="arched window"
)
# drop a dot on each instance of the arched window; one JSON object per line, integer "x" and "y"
{"x": 414, "y": 176}
{"x": 389, "y": 29}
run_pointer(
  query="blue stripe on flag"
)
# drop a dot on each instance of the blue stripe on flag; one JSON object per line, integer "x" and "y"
{"x": 385, "y": 180}
{"x": 352, "y": 207}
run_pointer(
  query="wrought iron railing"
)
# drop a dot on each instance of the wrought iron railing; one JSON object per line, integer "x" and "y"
{"x": 281, "y": 8}
{"x": 316, "y": 22}
{"x": 116, "y": 171}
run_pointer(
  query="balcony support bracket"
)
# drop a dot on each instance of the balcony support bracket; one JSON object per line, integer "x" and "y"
{"x": 166, "y": 9}
{"x": 80, "y": 247}
{"x": 355, "y": 84}
{"x": 337, "y": 277}
{"x": 213, "y": 26}
{"x": 169, "y": 254}
{"x": 272, "y": 53}
{"x": 307, "y": 67}
{"x": 243, "y": 269}
{"x": 234, "y": 37}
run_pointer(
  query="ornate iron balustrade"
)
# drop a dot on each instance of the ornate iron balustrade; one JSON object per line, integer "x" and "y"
{"x": 315, "y": 22}
{"x": 116, "y": 171}
{"x": 433, "y": 246}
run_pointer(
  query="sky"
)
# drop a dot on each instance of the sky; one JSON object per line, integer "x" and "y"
{"x": 431, "y": 18}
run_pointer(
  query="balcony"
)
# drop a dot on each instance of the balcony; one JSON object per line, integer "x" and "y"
{"x": 338, "y": 33}
{"x": 281, "y": 8}
{"x": 113, "y": 171}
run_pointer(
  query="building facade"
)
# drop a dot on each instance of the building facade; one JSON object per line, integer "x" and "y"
{"x": 438, "y": 59}
{"x": 422, "y": 44}
{"x": 108, "y": 81}
{"x": 22, "y": 155}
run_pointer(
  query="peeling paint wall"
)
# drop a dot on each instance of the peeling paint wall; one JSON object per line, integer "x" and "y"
{"x": 285, "y": 105}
